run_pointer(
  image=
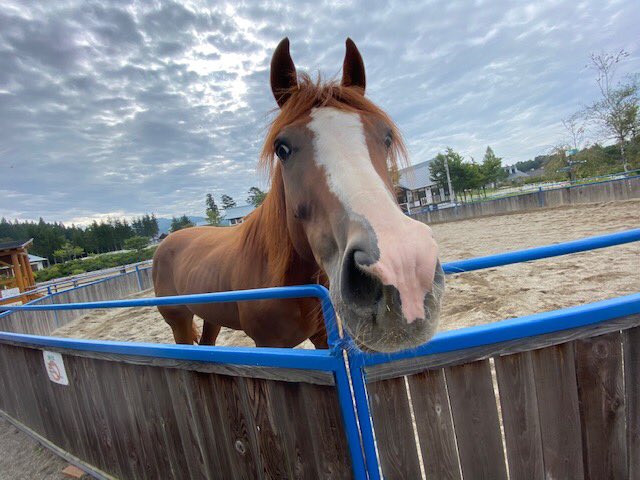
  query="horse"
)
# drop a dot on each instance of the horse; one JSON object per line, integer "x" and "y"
{"x": 330, "y": 217}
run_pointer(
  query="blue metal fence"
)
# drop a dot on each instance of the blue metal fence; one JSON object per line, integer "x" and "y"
{"x": 349, "y": 373}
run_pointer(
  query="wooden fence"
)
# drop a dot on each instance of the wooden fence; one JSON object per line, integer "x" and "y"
{"x": 43, "y": 323}
{"x": 140, "y": 418}
{"x": 563, "y": 405}
{"x": 608, "y": 191}
{"x": 556, "y": 405}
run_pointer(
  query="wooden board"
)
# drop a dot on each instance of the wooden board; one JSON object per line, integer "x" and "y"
{"x": 631, "y": 342}
{"x": 520, "y": 416}
{"x": 602, "y": 412}
{"x": 394, "y": 429}
{"x": 475, "y": 417}
{"x": 434, "y": 425}
{"x": 557, "y": 393}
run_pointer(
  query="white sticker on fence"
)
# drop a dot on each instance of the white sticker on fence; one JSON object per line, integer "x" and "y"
{"x": 9, "y": 292}
{"x": 54, "y": 365}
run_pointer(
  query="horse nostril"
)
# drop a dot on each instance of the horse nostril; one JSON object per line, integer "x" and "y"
{"x": 359, "y": 287}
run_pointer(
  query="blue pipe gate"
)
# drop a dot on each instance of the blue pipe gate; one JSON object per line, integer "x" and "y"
{"x": 434, "y": 411}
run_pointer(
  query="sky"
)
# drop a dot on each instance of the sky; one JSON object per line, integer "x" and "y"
{"x": 111, "y": 109}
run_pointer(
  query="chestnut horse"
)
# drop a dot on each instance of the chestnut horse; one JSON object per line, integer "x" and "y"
{"x": 330, "y": 217}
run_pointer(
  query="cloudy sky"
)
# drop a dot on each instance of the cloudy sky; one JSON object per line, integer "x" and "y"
{"x": 108, "y": 108}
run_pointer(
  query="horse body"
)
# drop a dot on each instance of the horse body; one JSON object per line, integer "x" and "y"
{"x": 330, "y": 217}
{"x": 205, "y": 259}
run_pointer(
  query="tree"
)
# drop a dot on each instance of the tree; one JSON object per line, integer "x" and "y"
{"x": 575, "y": 130}
{"x": 136, "y": 243}
{"x": 616, "y": 113}
{"x": 212, "y": 212}
{"x": 491, "y": 169}
{"x": 438, "y": 170}
{"x": 256, "y": 196}
{"x": 178, "y": 223}
{"x": 68, "y": 251}
{"x": 228, "y": 202}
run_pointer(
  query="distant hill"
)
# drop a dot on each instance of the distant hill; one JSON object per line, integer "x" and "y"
{"x": 164, "y": 224}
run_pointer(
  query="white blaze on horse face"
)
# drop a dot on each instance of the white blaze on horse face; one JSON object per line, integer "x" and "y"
{"x": 408, "y": 252}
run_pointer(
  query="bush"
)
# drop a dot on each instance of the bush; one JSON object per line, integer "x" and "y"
{"x": 136, "y": 243}
{"x": 96, "y": 262}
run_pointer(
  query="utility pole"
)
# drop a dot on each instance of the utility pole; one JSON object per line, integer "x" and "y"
{"x": 452, "y": 194}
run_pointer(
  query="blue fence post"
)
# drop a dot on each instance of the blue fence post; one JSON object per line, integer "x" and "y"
{"x": 349, "y": 419}
{"x": 540, "y": 197}
{"x": 139, "y": 279}
{"x": 356, "y": 368}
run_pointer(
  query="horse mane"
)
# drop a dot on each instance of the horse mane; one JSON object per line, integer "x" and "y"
{"x": 266, "y": 227}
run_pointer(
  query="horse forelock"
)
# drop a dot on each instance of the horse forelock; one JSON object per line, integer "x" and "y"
{"x": 309, "y": 94}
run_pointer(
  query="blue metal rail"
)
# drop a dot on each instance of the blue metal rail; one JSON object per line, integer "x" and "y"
{"x": 547, "y": 251}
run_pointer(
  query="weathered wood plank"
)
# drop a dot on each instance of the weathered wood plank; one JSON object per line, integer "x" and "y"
{"x": 325, "y": 432}
{"x": 520, "y": 416}
{"x": 150, "y": 459}
{"x": 293, "y": 415}
{"x": 268, "y": 373}
{"x": 631, "y": 343}
{"x": 270, "y": 444}
{"x": 391, "y": 415}
{"x": 168, "y": 430}
{"x": 230, "y": 394}
{"x": 177, "y": 387}
{"x": 434, "y": 424}
{"x": 122, "y": 432}
{"x": 84, "y": 410}
{"x": 212, "y": 426}
{"x": 475, "y": 417}
{"x": 602, "y": 412}
{"x": 557, "y": 393}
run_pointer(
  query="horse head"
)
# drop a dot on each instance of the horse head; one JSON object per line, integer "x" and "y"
{"x": 333, "y": 149}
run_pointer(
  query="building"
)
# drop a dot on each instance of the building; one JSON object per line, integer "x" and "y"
{"x": 515, "y": 175}
{"x": 416, "y": 190}
{"x": 236, "y": 215}
{"x": 16, "y": 270}
{"x": 38, "y": 263}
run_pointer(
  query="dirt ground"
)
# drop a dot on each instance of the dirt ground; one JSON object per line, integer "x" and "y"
{"x": 471, "y": 298}
{"x": 22, "y": 458}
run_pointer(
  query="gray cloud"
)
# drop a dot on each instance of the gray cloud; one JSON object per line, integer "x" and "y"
{"x": 119, "y": 109}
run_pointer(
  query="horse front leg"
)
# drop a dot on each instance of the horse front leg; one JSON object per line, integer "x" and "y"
{"x": 210, "y": 332}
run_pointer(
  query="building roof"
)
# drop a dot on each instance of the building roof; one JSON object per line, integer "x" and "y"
{"x": 15, "y": 244}
{"x": 36, "y": 258}
{"x": 416, "y": 176}
{"x": 237, "y": 212}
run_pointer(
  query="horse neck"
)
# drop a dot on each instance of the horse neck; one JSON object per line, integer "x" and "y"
{"x": 266, "y": 233}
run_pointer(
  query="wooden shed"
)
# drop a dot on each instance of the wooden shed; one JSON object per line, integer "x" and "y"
{"x": 14, "y": 255}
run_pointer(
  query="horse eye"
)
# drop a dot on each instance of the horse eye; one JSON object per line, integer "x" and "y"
{"x": 283, "y": 151}
{"x": 388, "y": 140}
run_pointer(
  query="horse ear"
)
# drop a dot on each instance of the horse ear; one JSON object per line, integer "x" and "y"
{"x": 353, "y": 67}
{"x": 283, "y": 73}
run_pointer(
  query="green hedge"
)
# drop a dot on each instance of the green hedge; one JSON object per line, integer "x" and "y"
{"x": 90, "y": 264}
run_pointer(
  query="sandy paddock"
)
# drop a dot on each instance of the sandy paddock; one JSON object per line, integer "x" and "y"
{"x": 471, "y": 298}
